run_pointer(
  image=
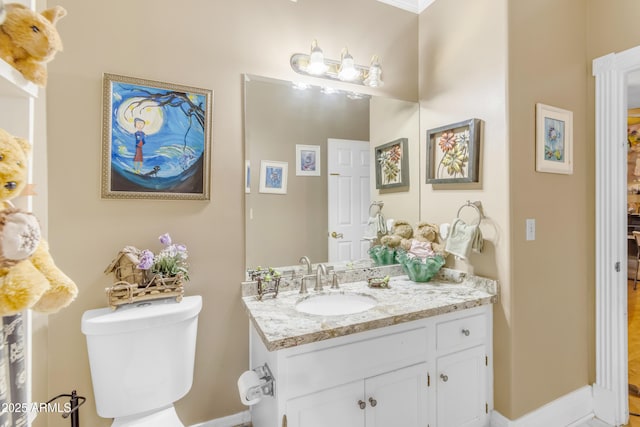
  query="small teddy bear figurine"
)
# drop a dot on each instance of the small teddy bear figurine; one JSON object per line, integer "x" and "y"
{"x": 28, "y": 40}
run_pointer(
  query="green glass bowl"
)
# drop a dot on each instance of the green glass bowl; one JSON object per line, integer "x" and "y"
{"x": 420, "y": 270}
{"x": 382, "y": 255}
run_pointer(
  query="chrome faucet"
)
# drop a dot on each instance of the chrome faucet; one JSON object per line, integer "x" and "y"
{"x": 320, "y": 271}
{"x": 305, "y": 261}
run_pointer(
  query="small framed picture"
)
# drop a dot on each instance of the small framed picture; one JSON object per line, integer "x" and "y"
{"x": 273, "y": 177}
{"x": 392, "y": 164}
{"x": 307, "y": 160}
{"x": 453, "y": 153}
{"x": 554, "y": 140}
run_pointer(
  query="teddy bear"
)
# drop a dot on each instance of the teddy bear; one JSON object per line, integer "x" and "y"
{"x": 28, "y": 40}
{"x": 29, "y": 277}
{"x": 427, "y": 232}
{"x": 400, "y": 237}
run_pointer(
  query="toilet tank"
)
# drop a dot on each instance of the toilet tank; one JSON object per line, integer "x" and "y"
{"x": 142, "y": 354}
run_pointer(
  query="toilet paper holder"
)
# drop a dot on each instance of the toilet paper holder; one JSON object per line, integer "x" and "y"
{"x": 264, "y": 373}
{"x": 259, "y": 382}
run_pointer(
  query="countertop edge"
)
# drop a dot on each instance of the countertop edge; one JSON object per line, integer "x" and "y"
{"x": 322, "y": 335}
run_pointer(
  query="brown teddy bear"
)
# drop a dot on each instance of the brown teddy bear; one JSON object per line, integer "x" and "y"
{"x": 401, "y": 236}
{"x": 28, "y": 40}
{"x": 427, "y": 232}
{"x": 28, "y": 276}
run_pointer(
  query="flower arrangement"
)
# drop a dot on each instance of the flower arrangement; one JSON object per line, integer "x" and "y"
{"x": 171, "y": 261}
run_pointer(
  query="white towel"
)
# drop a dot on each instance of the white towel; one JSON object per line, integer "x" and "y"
{"x": 462, "y": 238}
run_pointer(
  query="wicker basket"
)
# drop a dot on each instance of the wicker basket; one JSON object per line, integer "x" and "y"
{"x": 132, "y": 284}
{"x": 160, "y": 287}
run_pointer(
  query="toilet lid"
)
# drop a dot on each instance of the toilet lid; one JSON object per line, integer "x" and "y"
{"x": 138, "y": 316}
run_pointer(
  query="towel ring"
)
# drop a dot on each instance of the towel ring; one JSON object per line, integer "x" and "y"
{"x": 375, "y": 203}
{"x": 473, "y": 205}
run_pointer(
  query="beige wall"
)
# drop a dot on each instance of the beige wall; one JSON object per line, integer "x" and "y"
{"x": 463, "y": 76}
{"x": 553, "y": 275}
{"x": 204, "y": 44}
{"x": 392, "y": 119}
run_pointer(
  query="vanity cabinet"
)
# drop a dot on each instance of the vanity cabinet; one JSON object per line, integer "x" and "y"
{"x": 394, "y": 398}
{"x": 430, "y": 372}
{"x": 463, "y": 371}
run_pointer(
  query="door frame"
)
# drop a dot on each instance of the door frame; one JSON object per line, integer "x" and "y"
{"x": 610, "y": 391}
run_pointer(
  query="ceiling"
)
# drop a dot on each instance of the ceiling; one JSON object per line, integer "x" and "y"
{"x": 415, "y": 6}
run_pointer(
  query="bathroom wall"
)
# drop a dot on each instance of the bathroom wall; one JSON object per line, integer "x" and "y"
{"x": 552, "y": 276}
{"x": 204, "y": 44}
{"x": 537, "y": 358}
{"x": 463, "y": 72}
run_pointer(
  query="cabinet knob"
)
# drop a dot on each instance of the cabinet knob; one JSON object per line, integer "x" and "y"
{"x": 466, "y": 332}
{"x": 373, "y": 402}
{"x": 444, "y": 377}
{"x": 362, "y": 404}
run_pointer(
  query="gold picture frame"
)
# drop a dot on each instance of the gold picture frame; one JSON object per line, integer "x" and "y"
{"x": 156, "y": 140}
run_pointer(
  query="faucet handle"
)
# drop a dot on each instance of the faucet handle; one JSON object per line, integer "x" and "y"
{"x": 334, "y": 280}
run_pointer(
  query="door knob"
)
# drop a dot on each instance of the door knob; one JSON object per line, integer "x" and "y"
{"x": 337, "y": 235}
{"x": 373, "y": 402}
{"x": 362, "y": 404}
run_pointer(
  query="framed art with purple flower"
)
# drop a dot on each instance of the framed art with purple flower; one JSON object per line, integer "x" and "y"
{"x": 554, "y": 139}
{"x": 453, "y": 153}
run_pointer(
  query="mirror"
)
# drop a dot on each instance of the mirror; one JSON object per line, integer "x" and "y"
{"x": 285, "y": 225}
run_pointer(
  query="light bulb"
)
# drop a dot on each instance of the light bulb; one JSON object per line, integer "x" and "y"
{"x": 316, "y": 64}
{"x": 348, "y": 70}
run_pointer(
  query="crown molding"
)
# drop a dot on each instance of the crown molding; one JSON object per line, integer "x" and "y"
{"x": 415, "y": 6}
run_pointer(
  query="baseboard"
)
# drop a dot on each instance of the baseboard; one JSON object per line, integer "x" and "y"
{"x": 230, "y": 421}
{"x": 567, "y": 411}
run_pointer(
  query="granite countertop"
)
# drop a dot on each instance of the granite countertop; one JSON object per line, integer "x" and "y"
{"x": 280, "y": 325}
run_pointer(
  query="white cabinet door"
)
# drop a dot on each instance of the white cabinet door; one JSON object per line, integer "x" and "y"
{"x": 335, "y": 407}
{"x": 461, "y": 394}
{"x": 397, "y": 398}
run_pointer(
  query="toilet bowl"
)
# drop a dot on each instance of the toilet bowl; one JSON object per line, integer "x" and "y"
{"x": 141, "y": 357}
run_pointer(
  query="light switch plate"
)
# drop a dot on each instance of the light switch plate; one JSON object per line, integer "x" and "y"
{"x": 531, "y": 228}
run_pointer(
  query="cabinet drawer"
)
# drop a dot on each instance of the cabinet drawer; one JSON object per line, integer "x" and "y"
{"x": 461, "y": 333}
{"x": 320, "y": 369}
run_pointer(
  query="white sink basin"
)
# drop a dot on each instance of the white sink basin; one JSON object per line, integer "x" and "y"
{"x": 336, "y": 304}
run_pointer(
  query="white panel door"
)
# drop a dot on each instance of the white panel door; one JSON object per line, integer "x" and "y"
{"x": 398, "y": 398}
{"x": 349, "y": 198}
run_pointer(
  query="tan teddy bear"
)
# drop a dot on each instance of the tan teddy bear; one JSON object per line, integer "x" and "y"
{"x": 28, "y": 40}
{"x": 427, "y": 232}
{"x": 402, "y": 234}
{"x": 28, "y": 276}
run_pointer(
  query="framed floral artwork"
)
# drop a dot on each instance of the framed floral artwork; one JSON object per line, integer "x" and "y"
{"x": 453, "y": 153}
{"x": 273, "y": 177}
{"x": 307, "y": 160}
{"x": 156, "y": 139}
{"x": 554, "y": 139}
{"x": 392, "y": 164}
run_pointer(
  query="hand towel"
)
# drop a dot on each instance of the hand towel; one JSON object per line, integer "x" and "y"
{"x": 462, "y": 238}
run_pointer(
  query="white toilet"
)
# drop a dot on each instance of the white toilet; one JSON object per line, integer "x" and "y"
{"x": 141, "y": 357}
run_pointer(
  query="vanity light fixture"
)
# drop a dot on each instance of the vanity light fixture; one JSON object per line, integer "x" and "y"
{"x": 315, "y": 64}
